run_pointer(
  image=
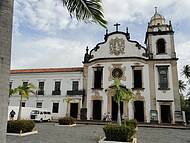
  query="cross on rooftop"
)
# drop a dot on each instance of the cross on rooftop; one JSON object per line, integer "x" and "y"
{"x": 117, "y": 26}
{"x": 156, "y": 9}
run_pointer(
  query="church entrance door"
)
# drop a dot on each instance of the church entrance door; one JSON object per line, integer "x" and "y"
{"x": 74, "y": 110}
{"x": 97, "y": 109}
{"x": 165, "y": 114}
{"x": 139, "y": 111}
{"x": 115, "y": 109}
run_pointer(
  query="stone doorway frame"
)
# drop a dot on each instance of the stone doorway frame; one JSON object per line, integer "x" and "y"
{"x": 171, "y": 109}
{"x": 139, "y": 97}
{"x": 110, "y": 94}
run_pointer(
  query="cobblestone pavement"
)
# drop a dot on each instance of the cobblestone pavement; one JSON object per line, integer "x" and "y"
{"x": 48, "y": 133}
{"x": 163, "y": 135}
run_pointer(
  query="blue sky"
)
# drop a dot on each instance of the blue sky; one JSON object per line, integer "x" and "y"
{"x": 44, "y": 35}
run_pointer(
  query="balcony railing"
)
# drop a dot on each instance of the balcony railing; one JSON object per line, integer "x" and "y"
{"x": 74, "y": 92}
{"x": 40, "y": 92}
{"x": 56, "y": 92}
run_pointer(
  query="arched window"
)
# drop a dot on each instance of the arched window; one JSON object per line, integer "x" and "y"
{"x": 161, "y": 46}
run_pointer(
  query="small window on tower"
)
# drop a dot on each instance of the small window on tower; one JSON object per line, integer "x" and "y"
{"x": 161, "y": 46}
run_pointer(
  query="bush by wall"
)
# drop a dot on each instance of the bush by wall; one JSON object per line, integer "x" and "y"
{"x": 66, "y": 121}
{"x": 17, "y": 126}
{"x": 131, "y": 123}
{"x": 121, "y": 133}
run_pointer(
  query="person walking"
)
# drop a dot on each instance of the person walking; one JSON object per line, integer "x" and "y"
{"x": 12, "y": 114}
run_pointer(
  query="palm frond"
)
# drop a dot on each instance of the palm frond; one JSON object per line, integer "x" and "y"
{"x": 186, "y": 71}
{"x": 122, "y": 94}
{"x": 24, "y": 90}
{"x": 87, "y": 10}
{"x": 182, "y": 86}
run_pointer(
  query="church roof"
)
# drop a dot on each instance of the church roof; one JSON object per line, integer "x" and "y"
{"x": 47, "y": 70}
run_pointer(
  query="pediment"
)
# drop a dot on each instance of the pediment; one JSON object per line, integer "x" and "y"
{"x": 117, "y": 45}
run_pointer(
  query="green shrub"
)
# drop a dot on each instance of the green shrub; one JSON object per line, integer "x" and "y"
{"x": 121, "y": 133}
{"x": 131, "y": 123}
{"x": 18, "y": 126}
{"x": 66, "y": 121}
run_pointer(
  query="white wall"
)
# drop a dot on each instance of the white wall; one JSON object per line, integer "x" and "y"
{"x": 130, "y": 49}
{"x": 48, "y": 99}
{"x": 128, "y": 73}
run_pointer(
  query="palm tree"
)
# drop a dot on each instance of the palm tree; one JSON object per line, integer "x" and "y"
{"x": 182, "y": 86}
{"x": 24, "y": 91}
{"x": 6, "y": 16}
{"x": 121, "y": 94}
{"x": 90, "y": 10}
{"x": 11, "y": 92}
{"x": 86, "y": 10}
{"x": 186, "y": 71}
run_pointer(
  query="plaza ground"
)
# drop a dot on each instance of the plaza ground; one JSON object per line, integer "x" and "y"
{"x": 48, "y": 133}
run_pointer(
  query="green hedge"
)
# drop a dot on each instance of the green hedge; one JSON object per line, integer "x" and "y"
{"x": 131, "y": 123}
{"x": 18, "y": 126}
{"x": 123, "y": 133}
{"x": 66, "y": 121}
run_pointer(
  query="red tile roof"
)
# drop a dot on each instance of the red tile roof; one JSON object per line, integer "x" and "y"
{"x": 47, "y": 70}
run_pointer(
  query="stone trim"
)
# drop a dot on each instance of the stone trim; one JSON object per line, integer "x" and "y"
{"x": 175, "y": 86}
{"x": 110, "y": 69}
{"x": 152, "y": 86}
{"x": 96, "y": 97}
{"x": 129, "y": 59}
{"x": 171, "y": 109}
{"x": 137, "y": 66}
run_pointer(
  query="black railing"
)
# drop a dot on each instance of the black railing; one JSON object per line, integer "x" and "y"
{"x": 40, "y": 92}
{"x": 56, "y": 92}
{"x": 74, "y": 92}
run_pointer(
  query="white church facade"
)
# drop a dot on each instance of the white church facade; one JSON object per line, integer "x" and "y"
{"x": 150, "y": 72}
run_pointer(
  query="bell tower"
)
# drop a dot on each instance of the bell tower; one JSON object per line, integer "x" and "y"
{"x": 159, "y": 37}
{"x": 159, "y": 41}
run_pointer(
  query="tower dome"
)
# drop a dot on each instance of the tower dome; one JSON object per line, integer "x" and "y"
{"x": 157, "y": 19}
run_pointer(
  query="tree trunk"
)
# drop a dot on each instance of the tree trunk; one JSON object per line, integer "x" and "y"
{"x": 67, "y": 112}
{"x": 20, "y": 108}
{"x": 119, "y": 114}
{"x": 6, "y": 14}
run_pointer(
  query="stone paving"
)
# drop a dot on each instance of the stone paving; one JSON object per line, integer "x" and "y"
{"x": 48, "y": 133}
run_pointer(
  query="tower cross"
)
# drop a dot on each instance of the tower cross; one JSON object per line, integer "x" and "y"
{"x": 117, "y": 26}
{"x": 156, "y": 9}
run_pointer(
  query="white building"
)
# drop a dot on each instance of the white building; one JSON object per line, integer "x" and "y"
{"x": 150, "y": 72}
{"x": 54, "y": 86}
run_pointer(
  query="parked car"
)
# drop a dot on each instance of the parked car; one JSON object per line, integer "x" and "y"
{"x": 40, "y": 115}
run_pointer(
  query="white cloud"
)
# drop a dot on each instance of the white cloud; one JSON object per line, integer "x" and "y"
{"x": 49, "y": 16}
{"x": 44, "y": 15}
{"x": 141, "y": 10}
{"x": 183, "y": 53}
{"x": 48, "y": 52}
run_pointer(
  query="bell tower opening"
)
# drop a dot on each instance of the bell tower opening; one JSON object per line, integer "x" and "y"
{"x": 161, "y": 47}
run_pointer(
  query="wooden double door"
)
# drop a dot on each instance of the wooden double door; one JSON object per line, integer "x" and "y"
{"x": 74, "y": 110}
{"x": 139, "y": 111}
{"x": 97, "y": 110}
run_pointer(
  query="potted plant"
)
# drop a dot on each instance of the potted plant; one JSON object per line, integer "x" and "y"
{"x": 122, "y": 131}
{"x": 66, "y": 121}
{"x": 21, "y": 127}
